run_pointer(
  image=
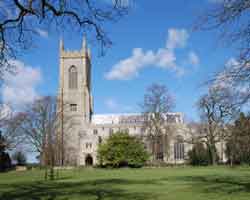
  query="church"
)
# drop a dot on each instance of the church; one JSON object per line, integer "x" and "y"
{"x": 86, "y": 130}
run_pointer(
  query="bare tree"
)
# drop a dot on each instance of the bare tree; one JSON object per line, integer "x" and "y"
{"x": 216, "y": 112}
{"x": 40, "y": 126}
{"x": 22, "y": 20}
{"x": 231, "y": 19}
{"x": 157, "y": 104}
{"x": 9, "y": 126}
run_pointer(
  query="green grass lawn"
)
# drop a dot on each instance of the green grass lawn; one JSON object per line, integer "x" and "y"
{"x": 180, "y": 183}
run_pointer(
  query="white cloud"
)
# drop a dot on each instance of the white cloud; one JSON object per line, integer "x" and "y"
{"x": 193, "y": 58}
{"x": 216, "y": 1}
{"x": 111, "y": 104}
{"x": 232, "y": 62}
{"x": 224, "y": 79}
{"x": 5, "y": 112}
{"x": 121, "y": 3}
{"x": 114, "y": 106}
{"x": 177, "y": 38}
{"x": 20, "y": 88}
{"x": 163, "y": 58}
{"x": 7, "y": 10}
{"x": 42, "y": 33}
{"x": 128, "y": 68}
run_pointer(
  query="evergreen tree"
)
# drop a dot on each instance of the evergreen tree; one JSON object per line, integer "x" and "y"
{"x": 5, "y": 161}
{"x": 19, "y": 157}
{"x": 121, "y": 149}
{"x": 238, "y": 148}
{"x": 198, "y": 155}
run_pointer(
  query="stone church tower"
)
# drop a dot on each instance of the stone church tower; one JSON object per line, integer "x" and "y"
{"x": 75, "y": 97}
{"x": 81, "y": 132}
{"x": 75, "y": 80}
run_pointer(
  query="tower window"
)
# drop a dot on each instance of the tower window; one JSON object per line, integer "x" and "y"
{"x": 72, "y": 77}
{"x": 73, "y": 107}
{"x": 95, "y": 131}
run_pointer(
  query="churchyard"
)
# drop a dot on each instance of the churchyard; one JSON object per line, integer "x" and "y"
{"x": 171, "y": 183}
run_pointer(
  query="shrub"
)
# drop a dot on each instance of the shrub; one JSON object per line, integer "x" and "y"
{"x": 5, "y": 161}
{"x": 19, "y": 157}
{"x": 237, "y": 146}
{"x": 121, "y": 149}
{"x": 198, "y": 155}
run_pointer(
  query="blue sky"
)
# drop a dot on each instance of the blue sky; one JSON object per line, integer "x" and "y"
{"x": 153, "y": 44}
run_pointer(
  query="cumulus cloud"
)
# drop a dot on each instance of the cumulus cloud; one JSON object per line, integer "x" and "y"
{"x": 42, "y": 33}
{"x": 8, "y": 10}
{"x": 122, "y": 3}
{"x": 193, "y": 58}
{"x": 20, "y": 88}
{"x": 177, "y": 38}
{"x": 162, "y": 58}
{"x": 224, "y": 79}
{"x": 111, "y": 104}
{"x": 5, "y": 112}
{"x": 216, "y": 1}
{"x": 128, "y": 68}
{"x": 114, "y": 106}
{"x": 232, "y": 62}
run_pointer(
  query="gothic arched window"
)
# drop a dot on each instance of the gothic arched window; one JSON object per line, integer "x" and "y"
{"x": 72, "y": 77}
{"x": 179, "y": 150}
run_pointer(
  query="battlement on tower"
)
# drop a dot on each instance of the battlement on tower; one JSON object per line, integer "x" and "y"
{"x": 82, "y": 53}
{"x": 75, "y": 54}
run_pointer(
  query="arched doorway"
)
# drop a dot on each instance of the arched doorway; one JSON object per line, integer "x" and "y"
{"x": 88, "y": 160}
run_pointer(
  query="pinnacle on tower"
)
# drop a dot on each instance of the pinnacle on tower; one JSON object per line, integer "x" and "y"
{"x": 61, "y": 44}
{"x": 84, "y": 43}
{"x": 89, "y": 53}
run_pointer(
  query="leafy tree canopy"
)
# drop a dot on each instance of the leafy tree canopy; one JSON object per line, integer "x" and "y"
{"x": 19, "y": 157}
{"x": 121, "y": 149}
{"x": 238, "y": 149}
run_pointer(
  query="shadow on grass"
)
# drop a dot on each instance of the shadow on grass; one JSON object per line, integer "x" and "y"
{"x": 218, "y": 184}
{"x": 116, "y": 188}
{"x": 98, "y": 189}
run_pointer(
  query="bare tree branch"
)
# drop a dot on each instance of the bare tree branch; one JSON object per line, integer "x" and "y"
{"x": 20, "y": 20}
{"x": 216, "y": 112}
{"x": 231, "y": 19}
{"x": 157, "y": 105}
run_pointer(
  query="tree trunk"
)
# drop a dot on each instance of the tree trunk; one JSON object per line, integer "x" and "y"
{"x": 154, "y": 150}
{"x": 213, "y": 155}
{"x": 51, "y": 173}
{"x": 231, "y": 161}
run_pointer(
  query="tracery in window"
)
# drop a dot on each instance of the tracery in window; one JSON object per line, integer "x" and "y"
{"x": 72, "y": 77}
{"x": 179, "y": 148}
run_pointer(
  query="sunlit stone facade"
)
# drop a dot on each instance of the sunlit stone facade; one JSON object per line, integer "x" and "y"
{"x": 87, "y": 130}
